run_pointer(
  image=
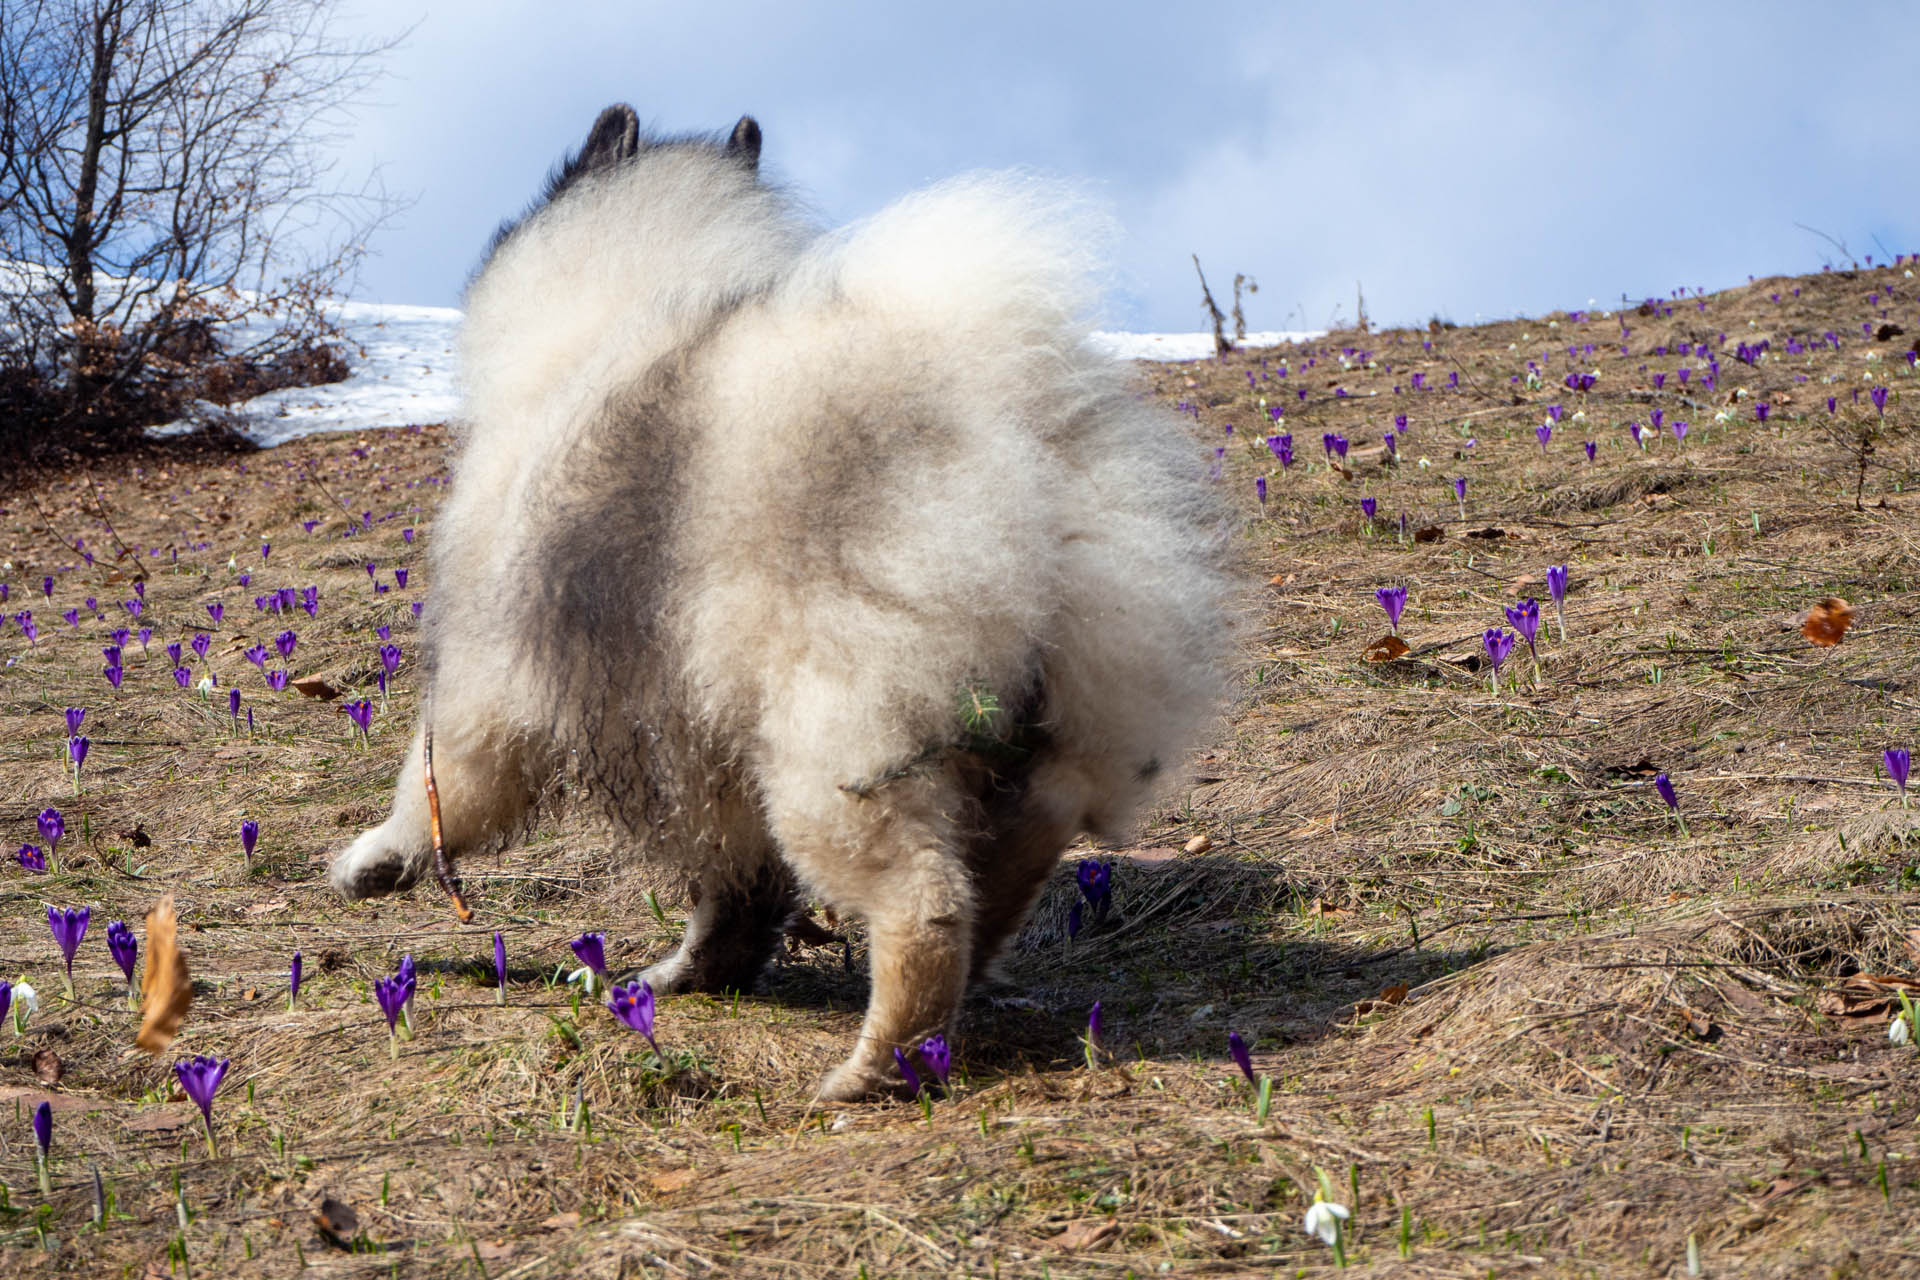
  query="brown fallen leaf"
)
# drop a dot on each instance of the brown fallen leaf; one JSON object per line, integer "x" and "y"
{"x": 1152, "y": 859}
{"x": 1386, "y": 649}
{"x": 1087, "y": 1234}
{"x": 561, "y": 1221}
{"x": 494, "y": 1250}
{"x": 1697, "y": 1022}
{"x": 1827, "y": 622}
{"x": 267, "y": 908}
{"x": 166, "y": 989}
{"x": 314, "y": 687}
{"x": 1282, "y": 580}
{"x": 1199, "y": 844}
{"x": 1432, "y": 533}
{"x": 671, "y": 1179}
{"x": 47, "y": 1066}
{"x": 337, "y": 1222}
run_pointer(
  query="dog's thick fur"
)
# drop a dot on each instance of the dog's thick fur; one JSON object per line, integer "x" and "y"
{"x": 835, "y": 564}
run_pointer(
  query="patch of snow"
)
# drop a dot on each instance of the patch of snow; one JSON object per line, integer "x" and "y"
{"x": 406, "y": 376}
{"x": 1188, "y": 346}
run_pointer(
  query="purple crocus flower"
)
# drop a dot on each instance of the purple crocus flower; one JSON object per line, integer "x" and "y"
{"x": 74, "y": 716}
{"x": 361, "y": 713}
{"x": 1094, "y": 876}
{"x": 183, "y": 676}
{"x": 1658, "y": 416}
{"x": 310, "y": 600}
{"x": 1761, "y": 410}
{"x": 1879, "y": 396}
{"x": 1665, "y": 787}
{"x": 257, "y": 655}
{"x": 249, "y": 835}
{"x": 1543, "y": 433}
{"x": 200, "y": 1078}
{"x": 124, "y": 947}
{"x": 146, "y": 634}
{"x": 1557, "y": 590}
{"x": 1899, "y": 763}
{"x": 1679, "y": 431}
{"x": 1525, "y": 618}
{"x": 500, "y": 964}
{"x": 277, "y": 679}
{"x": 633, "y": 1005}
{"x": 400, "y": 578}
{"x": 406, "y": 536}
{"x": 293, "y": 980}
{"x": 69, "y": 926}
{"x": 43, "y": 1133}
{"x": 1259, "y": 490}
{"x": 285, "y": 643}
{"x": 591, "y": 948}
{"x": 216, "y": 611}
{"x": 1498, "y": 642}
{"x": 1394, "y": 601}
{"x": 114, "y": 674}
{"x": 174, "y": 653}
{"x": 1093, "y": 1033}
{"x": 30, "y": 857}
{"x": 27, "y": 627}
{"x": 938, "y": 1057}
{"x": 384, "y": 631}
{"x": 1591, "y": 449}
{"x": 1368, "y": 506}
{"x": 907, "y": 1073}
{"x": 201, "y": 643}
{"x": 72, "y": 617}
{"x": 46, "y": 586}
{"x": 392, "y": 994}
{"x": 1237, "y": 1050}
{"x": 1340, "y": 445}
{"x": 77, "y": 750}
{"x": 233, "y": 703}
{"x": 52, "y": 826}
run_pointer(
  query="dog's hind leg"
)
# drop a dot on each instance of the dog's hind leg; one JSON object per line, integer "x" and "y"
{"x": 1026, "y": 831}
{"x": 894, "y": 859}
{"x": 478, "y": 769}
{"x": 731, "y": 934}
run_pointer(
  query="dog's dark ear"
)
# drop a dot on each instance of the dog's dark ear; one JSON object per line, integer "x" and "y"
{"x": 615, "y": 137}
{"x": 744, "y": 144}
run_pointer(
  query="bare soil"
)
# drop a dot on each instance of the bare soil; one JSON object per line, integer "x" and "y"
{"x": 1519, "y": 1016}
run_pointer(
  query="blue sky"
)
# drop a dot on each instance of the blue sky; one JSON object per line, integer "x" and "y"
{"x": 1469, "y": 161}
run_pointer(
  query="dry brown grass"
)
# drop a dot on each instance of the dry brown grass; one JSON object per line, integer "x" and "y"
{"x": 1614, "y": 1038}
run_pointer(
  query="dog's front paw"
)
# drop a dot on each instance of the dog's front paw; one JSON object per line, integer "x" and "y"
{"x": 375, "y": 864}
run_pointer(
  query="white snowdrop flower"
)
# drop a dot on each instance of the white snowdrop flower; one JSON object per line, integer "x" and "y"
{"x": 1579, "y": 415}
{"x": 588, "y": 979}
{"x": 205, "y": 686}
{"x": 232, "y": 563}
{"x": 26, "y": 1003}
{"x": 1323, "y": 1220}
{"x": 1424, "y": 463}
{"x": 1898, "y": 1031}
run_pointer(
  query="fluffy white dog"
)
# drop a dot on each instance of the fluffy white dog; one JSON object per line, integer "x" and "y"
{"x": 833, "y": 564}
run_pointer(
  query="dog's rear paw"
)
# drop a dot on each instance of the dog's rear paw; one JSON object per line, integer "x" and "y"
{"x": 853, "y": 1081}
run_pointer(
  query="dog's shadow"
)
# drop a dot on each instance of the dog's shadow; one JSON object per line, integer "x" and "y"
{"x": 1185, "y": 952}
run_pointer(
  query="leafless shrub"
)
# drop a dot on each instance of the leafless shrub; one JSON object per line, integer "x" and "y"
{"x": 163, "y": 179}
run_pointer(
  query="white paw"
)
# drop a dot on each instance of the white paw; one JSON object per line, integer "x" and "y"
{"x": 375, "y": 864}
